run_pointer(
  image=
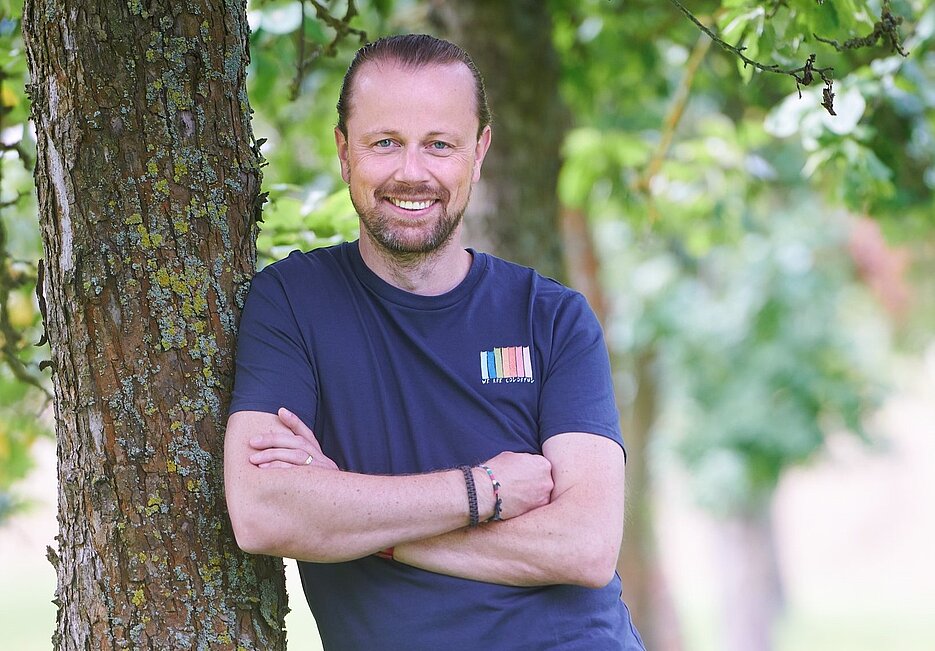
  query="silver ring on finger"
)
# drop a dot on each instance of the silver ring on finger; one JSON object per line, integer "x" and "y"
{"x": 308, "y": 461}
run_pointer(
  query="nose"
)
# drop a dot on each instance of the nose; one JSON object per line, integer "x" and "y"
{"x": 412, "y": 168}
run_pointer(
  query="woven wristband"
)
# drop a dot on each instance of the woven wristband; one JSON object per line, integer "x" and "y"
{"x": 473, "y": 514}
{"x": 498, "y": 503}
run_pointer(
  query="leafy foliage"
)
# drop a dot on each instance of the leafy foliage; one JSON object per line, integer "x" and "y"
{"x": 762, "y": 346}
{"x": 19, "y": 430}
{"x": 22, "y": 387}
{"x": 720, "y": 210}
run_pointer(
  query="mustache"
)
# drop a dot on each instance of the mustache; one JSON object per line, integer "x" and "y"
{"x": 411, "y": 192}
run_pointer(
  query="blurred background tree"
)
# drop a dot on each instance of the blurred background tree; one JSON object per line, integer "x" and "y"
{"x": 714, "y": 212}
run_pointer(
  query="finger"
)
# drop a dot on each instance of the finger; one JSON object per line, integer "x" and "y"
{"x": 295, "y": 423}
{"x": 276, "y": 464}
{"x": 325, "y": 464}
{"x": 278, "y": 440}
{"x": 316, "y": 462}
{"x": 294, "y": 457}
{"x": 299, "y": 428}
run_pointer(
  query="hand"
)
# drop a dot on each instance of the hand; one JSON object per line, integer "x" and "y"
{"x": 525, "y": 482}
{"x": 288, "y": 444}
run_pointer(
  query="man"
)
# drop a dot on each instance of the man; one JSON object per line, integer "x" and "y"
{"x": 429, "y": 430}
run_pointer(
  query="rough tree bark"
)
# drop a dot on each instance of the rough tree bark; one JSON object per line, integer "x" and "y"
{"x": 514, "y": 210}
{"x": 147, "y": 181}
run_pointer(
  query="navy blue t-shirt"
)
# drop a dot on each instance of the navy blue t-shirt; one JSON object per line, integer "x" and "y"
{"x": 397, "y": 383}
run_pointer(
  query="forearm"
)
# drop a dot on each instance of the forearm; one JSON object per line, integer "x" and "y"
{"x": 554, "y": 544}
{"x": 326, "y": 515}
{"x": 575, "y": 539}
{"x": 323, "y": 515}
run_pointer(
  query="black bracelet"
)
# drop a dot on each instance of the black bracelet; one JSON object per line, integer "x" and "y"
{"x": 473, "y": 513}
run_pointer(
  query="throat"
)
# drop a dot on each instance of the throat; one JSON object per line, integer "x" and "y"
{"x": 428, "y": 274}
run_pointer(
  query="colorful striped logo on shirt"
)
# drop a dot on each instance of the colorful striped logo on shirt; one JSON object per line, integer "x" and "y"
{"x": 508, "y": 364}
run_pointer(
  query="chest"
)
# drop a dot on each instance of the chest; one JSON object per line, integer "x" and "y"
{"x": 402, "y": 390}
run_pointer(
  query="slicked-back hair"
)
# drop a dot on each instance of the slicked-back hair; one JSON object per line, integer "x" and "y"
{"x": 412, "y": 51}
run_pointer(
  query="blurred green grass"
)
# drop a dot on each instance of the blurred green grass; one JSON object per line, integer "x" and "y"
{"x": 28, "y": 618}
{"x": 27, "y": 614}
{"x": 893, "y": 627}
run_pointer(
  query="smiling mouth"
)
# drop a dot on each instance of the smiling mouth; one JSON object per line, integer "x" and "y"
{"x": 406, "y": 204}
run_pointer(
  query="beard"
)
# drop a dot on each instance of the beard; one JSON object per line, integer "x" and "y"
{"x": 408, "y": 240}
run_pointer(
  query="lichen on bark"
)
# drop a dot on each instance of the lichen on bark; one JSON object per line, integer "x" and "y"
{"x": 147, "y": 178}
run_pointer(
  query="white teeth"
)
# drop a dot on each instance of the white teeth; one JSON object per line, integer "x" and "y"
{"x": 411, "y": 205}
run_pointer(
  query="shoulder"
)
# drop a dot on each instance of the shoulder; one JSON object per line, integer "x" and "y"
{"x": 554, "y": 306}
{"x": 300, "y": 265}
{"x": 546, "y": 293}
{"x": 302, "y": 273}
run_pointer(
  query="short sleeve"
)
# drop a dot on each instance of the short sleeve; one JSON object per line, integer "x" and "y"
{"x": 273, "y": 368}
{"x": 577, "y": 393}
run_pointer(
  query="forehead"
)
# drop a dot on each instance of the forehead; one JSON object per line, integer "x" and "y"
{"x": 391, "y": 96}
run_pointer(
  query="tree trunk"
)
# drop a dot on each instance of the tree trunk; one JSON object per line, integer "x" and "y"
{"x": 645, "y": 588}
{"x": 514, "y": 210}
{"x": 147, "y": 182}
{"x": 751, "y": 586}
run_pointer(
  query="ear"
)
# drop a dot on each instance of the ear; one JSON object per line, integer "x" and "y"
{"x": 340, "y": 142}
{"x": 480, "y": 151}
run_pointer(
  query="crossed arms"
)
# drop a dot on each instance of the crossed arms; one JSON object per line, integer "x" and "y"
{"x": 563, "y": 510}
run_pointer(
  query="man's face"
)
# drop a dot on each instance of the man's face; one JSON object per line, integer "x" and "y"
{"x": 411, "y": 153}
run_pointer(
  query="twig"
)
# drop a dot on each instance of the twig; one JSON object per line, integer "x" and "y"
{"x": 342, "y": 29}
{"x": 803, "y": 75}
{"x": 886, "y": 29}
{"x": 300, "y": 67}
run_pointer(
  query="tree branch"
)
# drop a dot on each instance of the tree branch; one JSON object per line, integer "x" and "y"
{"x": 342, "y": 28}
{"x": 804, "y": 75}
{"x": 672, "y": 119}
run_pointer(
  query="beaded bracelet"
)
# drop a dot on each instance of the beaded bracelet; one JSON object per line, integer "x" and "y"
{"x": 498, "y": 503}
{"x": 473, "y": 514}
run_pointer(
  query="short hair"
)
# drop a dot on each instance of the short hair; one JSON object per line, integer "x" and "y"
{"x": 413, "y": 51}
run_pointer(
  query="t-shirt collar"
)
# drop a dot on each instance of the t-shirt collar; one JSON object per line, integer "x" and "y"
{"x": 399, "y": 296}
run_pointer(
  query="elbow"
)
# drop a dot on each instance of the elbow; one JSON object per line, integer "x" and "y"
{"x": 251, "y": 543}
{"x": 596, "y": 577}
{"x": 257, "y": 534}
{"x": 596, "y": 567}
{"x": 250, "y": 536}
{"x": 254, "y": 529}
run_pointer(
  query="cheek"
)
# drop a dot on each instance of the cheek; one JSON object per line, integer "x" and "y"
{"x": 371, "y": 169}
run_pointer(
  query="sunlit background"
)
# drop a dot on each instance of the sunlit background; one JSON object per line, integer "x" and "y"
{"x": 764, "y": 272}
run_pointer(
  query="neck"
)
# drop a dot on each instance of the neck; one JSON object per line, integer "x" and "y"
{"x": 427, "y": 274}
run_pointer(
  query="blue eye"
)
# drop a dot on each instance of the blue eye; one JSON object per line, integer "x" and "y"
{"x": 386, "y": 142}
{"x": 440, "y": 146}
